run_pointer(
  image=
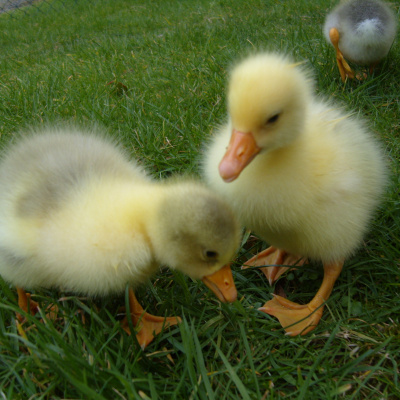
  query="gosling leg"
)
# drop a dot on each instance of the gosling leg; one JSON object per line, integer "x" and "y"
{"x": 148, "y": 325}
{"x": 299, "y": 319}
{"x": 344, "y": 67}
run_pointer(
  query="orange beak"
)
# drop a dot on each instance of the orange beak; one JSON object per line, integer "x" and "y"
{"x": 222, "y": 284}
{"x": 241, "y": 150}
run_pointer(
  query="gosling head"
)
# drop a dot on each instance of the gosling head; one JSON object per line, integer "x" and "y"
{"x": 267, "y": 105}
{"x": 198, "y": 235}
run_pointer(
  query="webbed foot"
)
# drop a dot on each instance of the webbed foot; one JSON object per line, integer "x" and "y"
{"x": 148, "y": 325}
{"x": 279, "y": 260}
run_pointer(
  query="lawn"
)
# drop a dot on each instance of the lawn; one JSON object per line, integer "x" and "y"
{"x": 154, "y": 75}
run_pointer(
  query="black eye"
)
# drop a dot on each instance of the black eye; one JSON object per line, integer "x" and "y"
{"x": 210, "y": 255}
{"x": 273, "y": 119}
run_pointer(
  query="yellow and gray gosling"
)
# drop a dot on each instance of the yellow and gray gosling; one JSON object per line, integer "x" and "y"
{"x": 78, "y": 215}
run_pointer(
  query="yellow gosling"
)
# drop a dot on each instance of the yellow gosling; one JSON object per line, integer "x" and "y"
{"x": 300, "y": 172}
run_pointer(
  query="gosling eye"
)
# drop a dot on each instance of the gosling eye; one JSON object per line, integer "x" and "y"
{"x": 210, "y": 255}
{"x": 273, "y": 119}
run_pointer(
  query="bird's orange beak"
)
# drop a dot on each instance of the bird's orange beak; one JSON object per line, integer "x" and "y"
{"x": 241, "y": 150}
{"x": 222, "y": 284}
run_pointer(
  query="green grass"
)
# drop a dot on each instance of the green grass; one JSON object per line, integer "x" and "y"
{"x": 168, "y": 61}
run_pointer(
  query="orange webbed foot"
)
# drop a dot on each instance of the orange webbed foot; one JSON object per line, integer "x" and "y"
{"x": 295, "y": 318}
{"x": 299, "y": 319}
{"x": 279, "y": 260}
{"x": 148, "y": 325}
{"x": 26, "y": 304}
{"x": 31, "y": 307}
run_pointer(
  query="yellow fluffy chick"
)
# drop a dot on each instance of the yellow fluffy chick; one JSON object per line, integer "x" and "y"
{"x": 78, "y": 215}
{"x": 362, "y": 31}
{"x": 301, "y": 173}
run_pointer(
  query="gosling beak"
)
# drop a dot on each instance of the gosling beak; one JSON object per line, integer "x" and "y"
{"x": 222, "y": 284}
{"x": 241, "y": 150}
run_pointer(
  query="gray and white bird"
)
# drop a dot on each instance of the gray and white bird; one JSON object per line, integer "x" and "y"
{"x": 361, "y": 31}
